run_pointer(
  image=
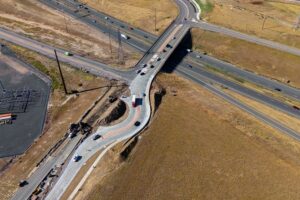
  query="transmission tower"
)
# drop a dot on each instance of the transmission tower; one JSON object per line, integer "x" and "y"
{"x": 120, "y": 49}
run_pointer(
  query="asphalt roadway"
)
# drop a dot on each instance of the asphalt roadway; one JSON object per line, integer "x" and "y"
{"x": 218, "y": 29}
{"x": 140, "y": 86}
{"x": 197, "y": 66}
{"x": 82, "y": 63}
{"x": 144, "y": 40}
{"x": 97, "y": 19}
{"x": 201, "y": 80}
{"x": 118, "y": 132}
{"x": 201, "y": 70}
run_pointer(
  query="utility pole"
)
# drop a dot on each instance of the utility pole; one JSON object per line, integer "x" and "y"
{"x": 120, "y": 49}
{"x": 66, "y": 26}
{"x": 61, "y": 75}
{"x": 263, "y": 25}
{"x": 155, "y": 19}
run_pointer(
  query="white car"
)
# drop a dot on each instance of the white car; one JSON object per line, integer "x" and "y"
{"x": 124, "y": 36}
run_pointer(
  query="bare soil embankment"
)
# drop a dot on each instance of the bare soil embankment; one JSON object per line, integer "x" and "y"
{"x": 199, "y": 147}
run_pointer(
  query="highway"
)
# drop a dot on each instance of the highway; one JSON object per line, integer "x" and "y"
{"x": 201, "y": 80}
{"x": 201, "y": 70}
{"x": 195, "y": 60}
{"x": 41, "y": 172}
{"x": 100, "y": 69}
{"x": 94, "y": 67}
{"x": 144, "y": 40}
{"x": 140, "y": 86}
{"x": 232, "y": 33}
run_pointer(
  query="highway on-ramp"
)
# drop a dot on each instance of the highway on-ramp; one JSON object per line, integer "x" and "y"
{"x": 242, "y": 36}
{"x": 142, "y": 40}
{"x": 80, "y": 62}
{"x": 140, "y": 87}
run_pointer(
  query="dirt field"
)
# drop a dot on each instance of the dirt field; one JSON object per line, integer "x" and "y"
{"x": 39, "y": 22}
{"x": 261, "y": 60}
{"x": 139, "y": 13}
{"x": 62, "y": 112}
{"x": 247, "y": 16}
{"x": 196, "y": 149}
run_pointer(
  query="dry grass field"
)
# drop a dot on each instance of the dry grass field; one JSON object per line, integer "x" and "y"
{"x": 285, "y": 119}
{"x": 261, "y": 60}
{"x": 249, "y": 15}
{"x": 197, "y": 149}
{"x": 139, "y": 13}
{"x": 37, "y": 21}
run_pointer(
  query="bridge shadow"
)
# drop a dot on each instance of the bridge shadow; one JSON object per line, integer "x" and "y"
{"x": 179, "y": 53}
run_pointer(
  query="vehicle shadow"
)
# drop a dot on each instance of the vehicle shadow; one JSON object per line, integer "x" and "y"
{"x": 179, "y": 53}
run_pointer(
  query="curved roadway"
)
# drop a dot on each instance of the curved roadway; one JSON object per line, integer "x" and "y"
{"x": 140, "y": 87}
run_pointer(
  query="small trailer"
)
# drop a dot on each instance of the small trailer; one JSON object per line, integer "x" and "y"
{"x": 6, "y": 118}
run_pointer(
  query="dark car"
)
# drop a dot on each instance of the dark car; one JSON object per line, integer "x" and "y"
{"x": 295, "y": 107}
{"x": 169, "y": 46}
{"x": 278, "y": 89}
{"x": 96, "y": 137}
{"x": 76, "y": 158}
{"x": 72, "y": 135}
{"x": 137, "y": 123}
{"x": 22, "y": 183}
